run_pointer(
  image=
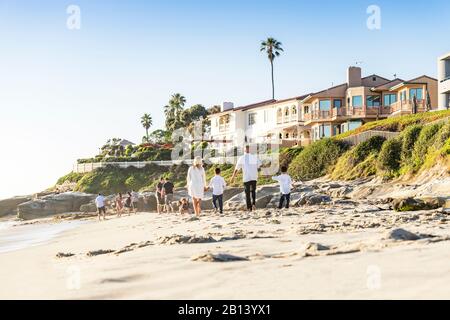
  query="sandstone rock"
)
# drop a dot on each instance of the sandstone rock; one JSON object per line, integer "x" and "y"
{"x": 88, "y": 208}
{"x": 53, "y": 204}
{"x": 9, "y": 206}
{"x": 401, "y": 234}
{"x": 219, "y": 257}
{"x": 311, "y": 198}
{"x": 412, "y": 204}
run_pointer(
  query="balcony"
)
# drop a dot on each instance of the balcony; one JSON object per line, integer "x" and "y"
{"x": 407, "y": 106}
{"x": 224, "y": 127}
{"x": 347, "y": 113}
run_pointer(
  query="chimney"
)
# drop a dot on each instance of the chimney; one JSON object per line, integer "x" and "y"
{"x": 227, "y": 106}
{"x": 354, "y": 77}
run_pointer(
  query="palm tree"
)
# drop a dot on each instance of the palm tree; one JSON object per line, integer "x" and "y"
{"x": 174, "y": 110}
{"x": 146, "y": 122}
{"x": 273, "y": 49}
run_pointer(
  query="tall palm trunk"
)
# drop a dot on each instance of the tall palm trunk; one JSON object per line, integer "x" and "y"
{"x": 273, "y": 82}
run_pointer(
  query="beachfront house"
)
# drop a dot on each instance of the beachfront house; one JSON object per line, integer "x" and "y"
{"x": 326, "y": 113}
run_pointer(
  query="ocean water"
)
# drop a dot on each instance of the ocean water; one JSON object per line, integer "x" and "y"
{"x": 16, "y": 237}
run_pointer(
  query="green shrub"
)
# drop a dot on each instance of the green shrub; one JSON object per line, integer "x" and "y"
{"x": 424, "y": 141}
{"x": 72, "y": 177}
{"x": 288, "y": 154}
{"x": 316, "y": 159}
{"x": 353, "y": 163}
{"x": 389, "y": 158}
{"x": 409, "y": 138}
{"x": 364, "y": 149}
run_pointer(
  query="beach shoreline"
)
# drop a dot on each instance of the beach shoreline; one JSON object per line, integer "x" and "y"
{"x": 314, "y": 252}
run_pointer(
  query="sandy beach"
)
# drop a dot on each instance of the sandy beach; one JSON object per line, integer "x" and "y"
{"x": 311, "y": 252}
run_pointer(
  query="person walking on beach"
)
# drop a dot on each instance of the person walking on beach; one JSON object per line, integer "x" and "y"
{"x": 249, "y": 164}
{"x": 129, "y": 203}
{"x": 218, "y": 185}
{"x": 285, "y": 182}
{"x": 196, "y": 184}
{"x": 119, "y": 205}
{"x": 167, "y": 191}
{"x": 100, "y": 204}
{"x": 159, "y": 195}
{"x": 135, "y": 200}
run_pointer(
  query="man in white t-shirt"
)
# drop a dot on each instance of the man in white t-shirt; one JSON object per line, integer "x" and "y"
{"x": 249, "y": 164}
{"x": 100, "y": 204}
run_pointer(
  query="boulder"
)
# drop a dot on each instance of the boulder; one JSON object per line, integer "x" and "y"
{"x": 264, "y": 195}
{"x": 9, "y": 206}
{"x": 88, "y": 208}
{"x": 412, "y": 204}
{"x": 53, "y": 204}
{"x": 402, "y": 234}
{"x": 312, "y": 198}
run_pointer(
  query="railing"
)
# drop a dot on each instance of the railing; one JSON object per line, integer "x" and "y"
{"x": 408, "y": 106}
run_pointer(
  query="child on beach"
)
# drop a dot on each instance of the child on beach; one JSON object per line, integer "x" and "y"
{"x": 119, "y": 205}
{"x": 183, "y": 205}
{"x": 100, "y": 203}
{"x": 285, "y": 182}
{"x": 218, "y": 185}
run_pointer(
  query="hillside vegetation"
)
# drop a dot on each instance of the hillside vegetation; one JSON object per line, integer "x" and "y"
{"x": 419, "y": 147}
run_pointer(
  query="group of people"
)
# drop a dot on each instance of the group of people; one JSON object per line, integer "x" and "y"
{"x": 197, "y": 185}
{"x": 122, "y": 203}
{"x": 250, "y": 165}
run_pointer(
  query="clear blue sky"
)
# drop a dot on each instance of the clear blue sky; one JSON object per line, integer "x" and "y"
{"x": 63, "y": 93}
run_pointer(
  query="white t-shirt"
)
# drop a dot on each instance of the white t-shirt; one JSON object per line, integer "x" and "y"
{"x": 249, "y": 163}
{"x": 218, "y": 185}
{"x": 100, "y": 201}
{"x": 134, "y": 196}
{"x": 285, "y": 182}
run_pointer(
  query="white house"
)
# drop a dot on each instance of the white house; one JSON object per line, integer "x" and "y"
{"x": 278, "y": 121}
{"x": 444, "y": 81}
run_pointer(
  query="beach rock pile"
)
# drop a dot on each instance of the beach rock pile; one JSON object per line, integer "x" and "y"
{"x": 9, "y": 206}
{"x": 413, "y": 204}
{"x": 53, "y": 204}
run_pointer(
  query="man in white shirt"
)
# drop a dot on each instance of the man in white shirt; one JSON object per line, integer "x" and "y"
{"x": 285, "y": 182}
{"x": 218, "y": 185}
{"x": 100, "y": 204}
{"x": 249, "y": 164}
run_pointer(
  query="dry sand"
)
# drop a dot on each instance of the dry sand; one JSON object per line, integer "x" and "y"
{"x": 318, "y": 252}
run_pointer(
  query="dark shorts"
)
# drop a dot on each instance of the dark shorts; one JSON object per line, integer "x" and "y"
{"x": 101, "y": 210}
{"x": 160, "y": 200}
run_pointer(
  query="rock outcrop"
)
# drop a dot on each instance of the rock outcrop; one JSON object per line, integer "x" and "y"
{"x": 53, "y": 204}
{"x": 9, "y": 206}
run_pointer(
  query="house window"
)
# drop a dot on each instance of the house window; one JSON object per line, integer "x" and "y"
{"x": 374, "y": 78}
{"x": 294, "y": 110}
{"x": 357, "y": 101}
{"x": 286, "y": 112}
{"x": 337, "y": 103}
{"x": 306, "y": 109}
{"x": 373, "y": 101}
{"x": 287, "y": 135}
{"x": 418, "y": 93}
{"x": 325, "y": 105}
{"x": 279, "y": 115}
{"x": 251, "y": 118}
{"x": 403, "y": 95}
{"x": 389, "y": 99}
